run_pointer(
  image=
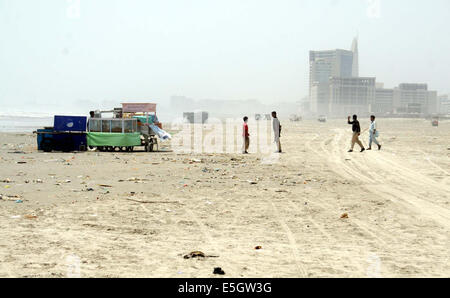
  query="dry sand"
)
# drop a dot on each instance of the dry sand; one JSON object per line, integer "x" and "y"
{"x": 397, "y": 202}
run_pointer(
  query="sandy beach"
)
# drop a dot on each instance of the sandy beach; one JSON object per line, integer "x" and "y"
{"x": 100, "y": 214}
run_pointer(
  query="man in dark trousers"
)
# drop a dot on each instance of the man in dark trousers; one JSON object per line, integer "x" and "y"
{"x": 356, "y": 133}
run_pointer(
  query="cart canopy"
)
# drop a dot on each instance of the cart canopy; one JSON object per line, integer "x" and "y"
{"x": 139, "y": 107}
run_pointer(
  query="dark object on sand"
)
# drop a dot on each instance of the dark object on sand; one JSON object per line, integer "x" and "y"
{"x": 195, "y": 254}
{"x": 198, "y": 255}
{"x": 218, "y": 271}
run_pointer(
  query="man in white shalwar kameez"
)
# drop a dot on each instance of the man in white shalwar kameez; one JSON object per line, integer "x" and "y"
{"x": 276, "y": 131}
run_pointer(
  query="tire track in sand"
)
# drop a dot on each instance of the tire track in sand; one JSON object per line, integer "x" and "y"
{"x": 292, "y": 242}
{"x": 406, "y": 195}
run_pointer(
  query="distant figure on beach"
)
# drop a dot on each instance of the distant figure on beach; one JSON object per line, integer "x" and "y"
{"x": 356, "y": 133}
{"x": 92, "y": 115}
{"x": 246, "y": 136}
{"x": 373, "y": 133}
{"x": 276, "y": 131}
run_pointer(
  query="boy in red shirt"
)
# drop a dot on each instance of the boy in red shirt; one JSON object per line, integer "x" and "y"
{"x": 246, "y": 136}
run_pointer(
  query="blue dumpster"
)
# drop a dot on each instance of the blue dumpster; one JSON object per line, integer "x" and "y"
{"x": 70, "y": 123}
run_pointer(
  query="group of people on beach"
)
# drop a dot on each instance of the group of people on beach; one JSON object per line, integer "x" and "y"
{"x": 356, "y": 129}
{"x": 276, "y": 131}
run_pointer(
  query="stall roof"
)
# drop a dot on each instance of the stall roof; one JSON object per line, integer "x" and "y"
{"x": 139, "y": 107}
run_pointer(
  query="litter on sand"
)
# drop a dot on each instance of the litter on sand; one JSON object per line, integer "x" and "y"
{"x": 218, "y": 271}
{"x": 198, "y": 255}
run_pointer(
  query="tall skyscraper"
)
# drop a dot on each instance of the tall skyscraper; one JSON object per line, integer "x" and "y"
{"x": 325, "y": 65}
{"x": 355, "y": 69}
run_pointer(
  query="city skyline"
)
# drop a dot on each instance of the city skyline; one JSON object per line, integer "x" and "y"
{"x": 53, "y": 53}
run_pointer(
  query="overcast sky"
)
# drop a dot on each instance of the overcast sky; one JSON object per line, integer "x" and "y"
{"x": 51, "y": 52}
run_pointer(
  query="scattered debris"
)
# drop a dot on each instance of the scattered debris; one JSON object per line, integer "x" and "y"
{"x": 218, "y": 271}
{"x": 198, "y": 254}
{"x": 9, "y": 197}
{"x": 105, "y": 185}
{"x": 258, "y": 247}
{"x": 155, "y": 202}
{"x": 195, "y": 254}
{"x": 21, "y": 162}
{"x": 30, "y": 217}
{"x": 344, "y": 216}
{"x": 252, "y": 182}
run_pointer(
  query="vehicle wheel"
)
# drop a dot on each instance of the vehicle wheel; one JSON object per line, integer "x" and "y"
{"x": 92, "y": 148}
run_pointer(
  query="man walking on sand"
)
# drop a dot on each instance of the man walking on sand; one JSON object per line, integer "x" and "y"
{"x": 356, "y": 133}
{"x": 276, "y": 131}
{"x": 246, "y": 136}
{"x": 373, "y": 133}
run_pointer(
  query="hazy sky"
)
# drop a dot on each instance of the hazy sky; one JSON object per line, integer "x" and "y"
{"x": 218, "y": 49}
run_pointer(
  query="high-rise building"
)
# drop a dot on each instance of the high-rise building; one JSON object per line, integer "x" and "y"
{"x": 323, "y": 66}
{"x": 350, "y": 96}
{"x": 355, "y": 65}
{"x": 326, "y": 64}
{"x": 415, "y": 98}
{"x": 384, "y": 101}
{"x": 444, "y": 104}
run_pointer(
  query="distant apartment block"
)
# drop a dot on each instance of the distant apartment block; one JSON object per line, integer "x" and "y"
{"x": 405, "y": 99}
{"x": 444, "y": 104}
{"x": 350, "y": 96}
{"x": 415, "y": 98}
{"x": 384, "y": 101}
